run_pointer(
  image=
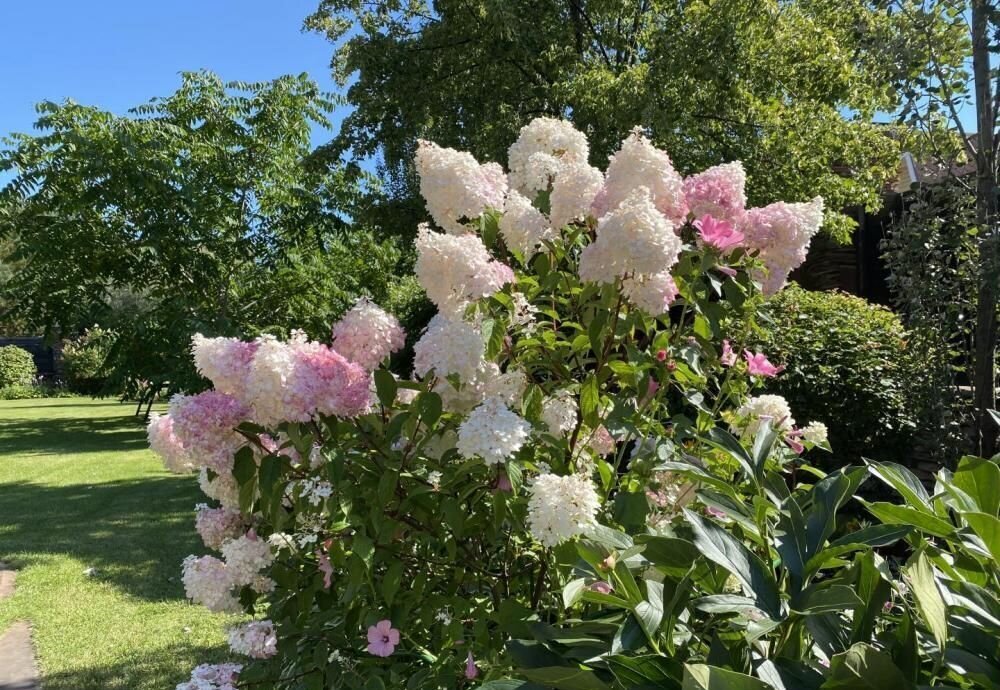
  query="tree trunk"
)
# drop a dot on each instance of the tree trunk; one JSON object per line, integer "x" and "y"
{"x": 986, "y": 216}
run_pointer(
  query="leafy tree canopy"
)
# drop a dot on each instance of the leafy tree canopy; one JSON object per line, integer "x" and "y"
{"x": 206, "y": 205}
{"x": 790, "y": 87}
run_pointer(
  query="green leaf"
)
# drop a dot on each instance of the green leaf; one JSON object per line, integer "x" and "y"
{"x": 827, "y": 599}
{"x": 430, "y": 408}
{"x": 903, "y": 481}
{"x": 646, "y": 670}
{"x": 590, "y": 401}
{"x": 980, "y": 479}
{"x": 509, "y": 684}
{"x": 385, "y": 387}
{"x": 723, "y": 440}
{"x": 986, "y": 528}
{"x": 670, "y": 555}
{"x": 573, "y": 591}
{"x": 862, "y": 667}
{"x": 893, "y": 514}
{"x": 876, "y": 535}
{"x": 649, "y": 612}
{"x": 391, "y": 581}
{"x": 564, "y": 677}
{"x": 705, "y": 677}
{"x": 928, "y": 597}
{"x": 722, "y": 548}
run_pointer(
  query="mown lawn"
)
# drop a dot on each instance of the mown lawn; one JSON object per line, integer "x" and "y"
{"x": 79, "y": 490}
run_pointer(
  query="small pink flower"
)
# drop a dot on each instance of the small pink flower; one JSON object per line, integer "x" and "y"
{"x": 326, "y": 568}
{"x": 650, "y": 391}
{"x": 718, "y": 233}
{"x": 661, "y": 355}
{"x": 470, "y": 667}
{"x": 757, "y": 364}
{"x": 602, "y": 587}
{"x": 726, "y": 271}
{"x": 715, "y": 512}
{"x": 503, "y": 483}
{"x": 382, "y": 638}
{"x": 728, "y": 357}
{"x": 792, "y": 439}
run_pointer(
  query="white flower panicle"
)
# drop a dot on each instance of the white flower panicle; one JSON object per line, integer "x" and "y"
{"x": 560, "y": 412}
{"x": 255, "y": 639}
{"x": 523, "y": 226}
{"x": 633, "y": 238}
{"x": 245, "y": 557}
{"x": 815, "y": 433}
{"x": 223, "y": 488}
{"x": 448, "y": 346}
{"x": 573, "y": 191}
{"x": 492, "y": 432}
{"x": 366, "y": 334}
{"x": 455, "y": 186}
{"x": 561, "y": 508}
{"x": 216, "y": 525}
{"x": 640, "y": 164}
{"x": 781, "y": 233}
{"x": 213, "y": 677}
{"x": 455, "y": 270}
{"x": 163, "y": 442}
{"x": 652, "y": 293}
{"x": 223, "y": 361}
{"x": 764, "y": 409}
{"x": 542, "y": 147}
{"x": 207, "y": 581}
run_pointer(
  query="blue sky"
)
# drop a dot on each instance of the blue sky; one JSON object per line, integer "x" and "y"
{"x": 119, "y": 53}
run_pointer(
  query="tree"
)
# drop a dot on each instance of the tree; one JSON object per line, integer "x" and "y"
{"x": 944, "y": 90}
{"x": 789, "y": 88}
{"x": 207, "y": 204}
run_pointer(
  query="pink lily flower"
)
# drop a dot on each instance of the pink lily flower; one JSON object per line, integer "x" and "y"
{"x": 601, "y": 587}
{"x": 792, "y": 439}
{"x": 718, "y": 233}
{"x": 757, "y": 364}
{"x": 470, "y": 667}
{"x": 326, "y": 568}
{"x": 382, "y": 638}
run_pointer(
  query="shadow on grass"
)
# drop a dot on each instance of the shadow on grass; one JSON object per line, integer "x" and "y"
{"x": 135, "y": 533}
{"x": 72, "y": 435}
{"x": 162, "y": 667}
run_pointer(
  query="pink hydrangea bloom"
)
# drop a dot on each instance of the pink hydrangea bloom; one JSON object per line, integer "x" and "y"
{"x": 382, "y": 638}
{"x": 758, "y": 365}
{"x": 718, "y": 191}
{"x": 601, "y": 441}
{"x": 366, "y": 334}
{"x": 728, "y": 357}
{"x": 652, "y": 293}
{"x": 216, "y": 525}
{"x": 225, "y": 362}
{"x": 207, "y": 581}
{"x": 456, "y": 270}
{"x": 164, "y": 442}
{"x": 781, "y": 234}
{"x": 206, "y": 425}
{"x": 255, "y": 639}
{"x": 719, "y": 234}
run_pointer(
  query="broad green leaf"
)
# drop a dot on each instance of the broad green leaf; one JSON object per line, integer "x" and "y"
{"x": 705, "y": 677}
{"x": 827, "y": 599}
{"x": 725, "y": 603}
{"x": 564, "y": 677}
{"x": 903, "y": 481}
{"x": 649, "y": 612}
{"x": 862, "y": 667}
{"x": 986, "y": 673}
{"x": 987, "y": 528}
{"x": 920, "y": 573}
{"x": 670, "y": 555}
{"x": 723, "y": 440}
{"x": 385, "y": 387}
{"x": 892, "y": 514}
{"x": 722, "y": 548}
{"x": 874, "y": 591}
{"x": 647, "y": 670}
{"x": 590, "y": 401}
{"x": 573, "y": 591}
{"x": 876, "y": 535}
{"x": 508, "y": 684}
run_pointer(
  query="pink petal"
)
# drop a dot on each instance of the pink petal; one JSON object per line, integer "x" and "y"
{"x": 393, "y": 636}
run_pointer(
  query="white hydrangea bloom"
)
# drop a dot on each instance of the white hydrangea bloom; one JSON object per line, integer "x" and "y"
{"x": 559, "y": 413}
{"x": 163, "y": 442}
{"x": 223, "y": 488}
{"x": 640, "y": 164}
{"x": 270, "y": 370}
{"x": 561, "y": 508}
{"x": 492, "y": 432}
{"x": 255, "y": 639}
{"x": 764, "y": 409}
{"x": 367, "y": 334}
{"x": 448, "y": 346}
{"x": 245, "y": 557}
{"x": 223, "y": 361}
{"x": 523, "y": 226}
{"x": 573, "y": 191}
{"x": 815, "y": 433}
{"x": 209, "y": 582}
{"x": 781, "y": 233}
{"x": 541, "y": 147}
{"x": 454, "y": 270}
{"x": 455, "y": 186}
{"x": 651, "y": 293}
{"x": 634, "y": 238}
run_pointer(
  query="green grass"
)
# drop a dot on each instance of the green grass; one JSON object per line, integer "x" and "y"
{"x": 78, "y": 490}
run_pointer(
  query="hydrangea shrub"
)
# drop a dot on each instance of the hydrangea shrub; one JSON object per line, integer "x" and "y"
{"x": 17, "y": 367}
{"x": 590, "y": 327}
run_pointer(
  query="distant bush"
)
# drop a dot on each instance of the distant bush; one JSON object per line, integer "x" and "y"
{"x": 84, "y": 360}
{"x": 848, "y": 365}
{"x": 17, "y": 367}
{"x": 35, "y": 389}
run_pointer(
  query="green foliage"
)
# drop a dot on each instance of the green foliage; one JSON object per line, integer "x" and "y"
{"x": 206, "y": 207}
{"x": 84, "y": 359}
{"x": 33, "y": 391}
{"x": 768, "y": 83}
{"x": 17, "y": 367}
{"x": 932, "y": 254}
{"x": 848, "y": 365}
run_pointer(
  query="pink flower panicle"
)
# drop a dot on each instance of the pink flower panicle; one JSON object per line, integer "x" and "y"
{"x": 717, "y": 191}
{"x": 366, "y": 334}
{"x": 206, "y": 426}
{"x": 213, "y": 677}
{"x": 225, "y": 362}
{"x": 164, "y": 442}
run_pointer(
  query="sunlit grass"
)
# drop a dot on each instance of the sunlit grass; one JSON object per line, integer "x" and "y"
{"x": 80, "y": 490}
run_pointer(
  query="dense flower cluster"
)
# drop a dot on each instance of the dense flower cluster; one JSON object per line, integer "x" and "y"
{"x": 216, "y": 525}
{"x": 366, "y": 334}
{"x": 205, "y": 424}
{"x": 523, "y": 226}
{"x": 213, "y": 677}
{"x": 456, "y": 186}
{"x": 542, "y": 148}
{"x": 640, "y": 164}
{"x": 255, "y": 639}
{"x": 781, "y": 234}
{"x": 764, "y": 409}
{"x": 457, "y": 269}
{"x": 561, "y": 508}
{"x": 492, "y": 432}
{"x": 718, "y": 192}
{"x": 164, "y": 442}
{"x": 225, "y": 362}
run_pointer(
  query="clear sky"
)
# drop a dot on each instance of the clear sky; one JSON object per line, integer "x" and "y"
{"x": 116, "y": 54}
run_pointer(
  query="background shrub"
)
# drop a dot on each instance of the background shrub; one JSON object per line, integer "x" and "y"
{"x": 848, "y": 365}
{"x": 17, "y": 367}
{"x": 84, "y": 360}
